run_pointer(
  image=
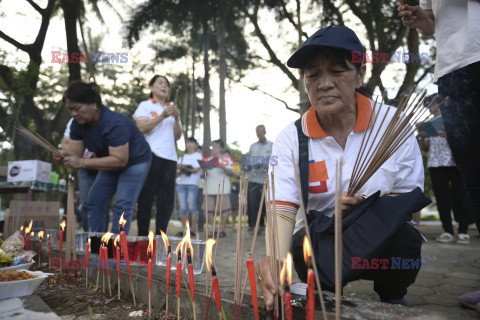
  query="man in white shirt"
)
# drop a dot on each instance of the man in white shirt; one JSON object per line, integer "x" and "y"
{"x": 456, "y": 26}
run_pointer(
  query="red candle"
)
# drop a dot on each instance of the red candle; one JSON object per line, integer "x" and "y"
{"x": 190, "y": 273}
{"x": 117, "y": 245}
{"x": 49, "y": 251}
{"x": 124, "y": 245}
{"x": 60, "y": 236}
{"x": 87, "y": 252}
{"x": 40, "y": 238}
{"x": 178, "y": 282}
{"x": 307, "y": 253}
{"x": 168, "y": 249}
{"x": 216, "y": 290}
{"x": 286, "y": 281}
{"x": 253, "y": 285}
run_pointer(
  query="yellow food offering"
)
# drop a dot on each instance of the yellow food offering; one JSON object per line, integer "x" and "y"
{"x": 12, "y": 275}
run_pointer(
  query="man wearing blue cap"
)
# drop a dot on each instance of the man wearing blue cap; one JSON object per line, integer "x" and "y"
{"x": 334, "y": 128}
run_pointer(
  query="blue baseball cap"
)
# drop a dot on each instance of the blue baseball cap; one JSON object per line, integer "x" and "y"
{"x": 338, "y": 37}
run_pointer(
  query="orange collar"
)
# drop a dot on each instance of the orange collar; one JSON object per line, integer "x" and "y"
{"x": 155, "y": 101}
{"x": 312, "y": 129}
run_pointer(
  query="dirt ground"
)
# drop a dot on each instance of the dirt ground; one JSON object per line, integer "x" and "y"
{"x": 70, "y": 300}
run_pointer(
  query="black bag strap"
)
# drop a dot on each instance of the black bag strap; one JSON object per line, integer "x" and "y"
{"x": 303, "y": 161}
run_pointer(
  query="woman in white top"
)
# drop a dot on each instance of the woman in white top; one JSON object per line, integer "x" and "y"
{"x": 219, "y": 168}
{"x": 160, "y": 123}
{"x": 187, "y": 184}
{"x": 447, "y": 184}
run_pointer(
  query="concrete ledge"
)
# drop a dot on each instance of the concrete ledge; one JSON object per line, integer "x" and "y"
{"x": 26, "y": 308}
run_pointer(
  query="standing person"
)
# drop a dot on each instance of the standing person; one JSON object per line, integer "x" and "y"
{"x": 122, "y": 155}
{"x": 160, "y": 123}
{"x": 219, "y": 169}
{"x": 187, "y": 185}
{"x": 86, "y": 178}
{"x": 201, "y": 186}
{"x": 456, "y": 25}
{"x": 446, "y": 182}
{"x": 258, "y": 161}
{"x": 234, "y": 188}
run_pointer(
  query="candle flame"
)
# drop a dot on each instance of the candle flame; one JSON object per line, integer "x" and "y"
{"x": 208, "y": 255}
{"x": 32, "y": 234}
{"x": 307, "y": 251}
{"x": 30, "y": 224}
{"x": 48, "y": 236}
{"x": 150, "y": 243}
{"x": 106, "y": 237}
{"x": 40, "y": 235}
{"x": 122, "y": 221}
{"x": 188, "y": 241}
{"x": 165, "y": 240}
{"x": 90, "y": 240}
{"x": 286, "y": 272}
{"x": 21, "y": 228}
{"x": 115, "y": 242}
{"x": 62, "y": 225}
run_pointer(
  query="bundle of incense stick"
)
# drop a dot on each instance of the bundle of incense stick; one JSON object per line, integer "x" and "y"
{"x": 37, "y": 139}
{"x": 384, "y": 137}
{"x": 242, "y": 213}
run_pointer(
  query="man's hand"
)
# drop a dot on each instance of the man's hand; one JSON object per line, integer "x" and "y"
{"x": 267, "y": 285}
{"x": 416, "y": 17}
{"x": 75, "y": 162}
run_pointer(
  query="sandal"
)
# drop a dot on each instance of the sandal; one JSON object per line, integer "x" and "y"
{"x": 463, "y": 238}
{"x": 445, "y": 238}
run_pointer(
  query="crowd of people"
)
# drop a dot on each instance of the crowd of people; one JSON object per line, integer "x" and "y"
{"x": 114, "y": 155}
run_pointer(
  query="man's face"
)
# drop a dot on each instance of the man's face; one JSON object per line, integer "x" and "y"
{"x": 261, "y": 132}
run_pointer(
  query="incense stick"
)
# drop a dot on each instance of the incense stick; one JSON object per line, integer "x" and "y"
{"x": 275, "y": 234}
{"x": 338, "y": 239}
{"x": 307, "y": 232}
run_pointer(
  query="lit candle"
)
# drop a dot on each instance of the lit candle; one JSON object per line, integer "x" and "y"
{"x": 40, "y": 238}
{"x": 215, "y": 286}
{"x": 168, "y": 249}
{"x": 124, "y": 244}
{"x": 307, "y": 253}
{"x": 60, "y": 235}
{"x": 117, "y": 246}
{"x": 87, "y": 253}
{"x": 286, "y": 281}
{"x": 106, "y": 239}
{"x": 149, "y": 255}
{"x": 178, "y": 281}
{"x": 32, "y": 235}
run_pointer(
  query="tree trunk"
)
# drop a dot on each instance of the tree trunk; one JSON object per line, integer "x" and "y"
{"x": 412, "y": 68}
{"x": 207, "y": 139}
{"x": 188, "y": 105}
{"x": 70, "y": 14}
{"x": 194, "y": 97}
{"x": 223, "y": 76}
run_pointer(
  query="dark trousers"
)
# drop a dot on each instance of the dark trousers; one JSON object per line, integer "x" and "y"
{"x": 160, "y": 183}
{"x": 461, "y": 117}
{"x": 389, "y": 283}
{"x": 254, "y": 198}
{"x": 450, "y": 194}
{"x": 201, "y": 213}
